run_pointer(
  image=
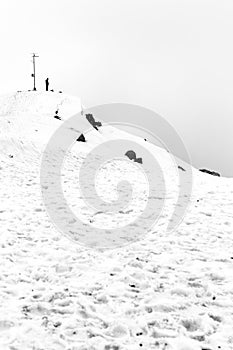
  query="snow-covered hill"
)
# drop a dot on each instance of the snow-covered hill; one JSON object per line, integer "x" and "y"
{"x": 163, "y": 291}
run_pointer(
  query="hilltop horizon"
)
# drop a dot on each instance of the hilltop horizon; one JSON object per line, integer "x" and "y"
{"x": 133, "y": 131}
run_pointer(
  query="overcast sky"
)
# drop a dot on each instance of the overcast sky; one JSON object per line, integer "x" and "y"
{"x": 173, "y": 56}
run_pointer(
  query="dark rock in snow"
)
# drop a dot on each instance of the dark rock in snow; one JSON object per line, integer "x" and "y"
{"x": 92, "y": 121}
{"x": 81, "y": 138}
{"x": 138, "y": 160}
{"x": 131, "y": 155}
{"x": 214, "y": 173}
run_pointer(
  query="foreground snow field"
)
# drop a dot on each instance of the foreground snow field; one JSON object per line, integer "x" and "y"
{"x": 164, "y": 291}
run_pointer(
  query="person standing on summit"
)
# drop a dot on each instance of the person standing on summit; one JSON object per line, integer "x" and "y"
{"x": 47, "y": 84}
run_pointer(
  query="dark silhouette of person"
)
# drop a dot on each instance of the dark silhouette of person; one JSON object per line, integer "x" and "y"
{"x": 47, "y": 84}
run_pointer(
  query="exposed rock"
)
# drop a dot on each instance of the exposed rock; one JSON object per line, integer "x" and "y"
{"x": 131, "y": 155}
{"x": 138, "y": 160}
{"x": 214, "y": 173}
{"x": 92, "y": 121}
{"x": 81, "y": 138}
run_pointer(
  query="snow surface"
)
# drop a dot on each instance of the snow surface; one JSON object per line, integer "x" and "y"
{"x": 164, "y": 291}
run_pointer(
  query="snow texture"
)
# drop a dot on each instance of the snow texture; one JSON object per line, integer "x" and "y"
{"x": 170, "y": 291}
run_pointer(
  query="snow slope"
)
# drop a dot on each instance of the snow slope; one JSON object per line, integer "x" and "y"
{"x": 164, "y": 291}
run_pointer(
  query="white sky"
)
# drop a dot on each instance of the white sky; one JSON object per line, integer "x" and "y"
{"x": 173, "y": 56}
